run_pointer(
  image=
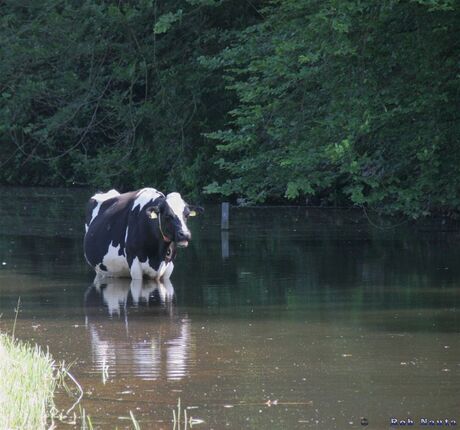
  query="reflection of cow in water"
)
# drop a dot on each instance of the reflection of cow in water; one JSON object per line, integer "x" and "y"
{"x": 120, "y": 294}
{"x": 143, "y": 335}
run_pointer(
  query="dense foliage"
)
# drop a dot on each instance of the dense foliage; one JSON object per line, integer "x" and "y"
{"x": 334, "y": 101}
{"x": 108, "y": 93}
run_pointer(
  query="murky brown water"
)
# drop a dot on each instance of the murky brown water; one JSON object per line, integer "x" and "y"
{"x": 314, "y": 319}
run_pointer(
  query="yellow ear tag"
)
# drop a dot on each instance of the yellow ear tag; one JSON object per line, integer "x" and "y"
{"x": 192, "y": 213}
{"x": 153, "y": 215}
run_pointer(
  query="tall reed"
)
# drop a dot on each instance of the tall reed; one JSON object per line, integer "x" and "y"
{"x": 27, "y": 385}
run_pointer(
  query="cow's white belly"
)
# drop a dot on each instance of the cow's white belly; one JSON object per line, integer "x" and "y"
{"x": 141, "y": 269}
{"x": 116, "y": 264}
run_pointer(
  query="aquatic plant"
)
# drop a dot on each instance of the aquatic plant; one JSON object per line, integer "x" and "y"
{"x": 29, "y": 380}
{"x": 86, "y": 423}
{"x": 134, "y": 421}
{"x": 178, "y": 412}
{"x": 27, "y": 385}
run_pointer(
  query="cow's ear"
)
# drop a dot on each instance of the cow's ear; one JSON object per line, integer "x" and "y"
{"x": 152, "y": 212}
{"x": 195, "y": 210}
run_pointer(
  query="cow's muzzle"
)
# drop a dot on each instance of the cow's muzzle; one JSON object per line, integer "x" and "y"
{"x": 182, "y": 239}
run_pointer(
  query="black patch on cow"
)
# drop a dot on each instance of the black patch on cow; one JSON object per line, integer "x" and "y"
{"x": 144, "y": 237}
{"x": 89, "y": 210}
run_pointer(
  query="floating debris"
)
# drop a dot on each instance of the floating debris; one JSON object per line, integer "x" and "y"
{"x": 105, "y": 371}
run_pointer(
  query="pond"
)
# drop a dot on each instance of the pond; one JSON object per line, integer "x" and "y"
{"x": 296, "y": 318}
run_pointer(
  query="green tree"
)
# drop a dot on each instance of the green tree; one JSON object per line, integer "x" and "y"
{"x": 335, "y": 101}
{"x": 111, "y": 93}
{"x": 345, "y": 101}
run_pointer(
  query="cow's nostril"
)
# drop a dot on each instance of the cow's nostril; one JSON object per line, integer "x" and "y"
{"x": 183, "y": 236}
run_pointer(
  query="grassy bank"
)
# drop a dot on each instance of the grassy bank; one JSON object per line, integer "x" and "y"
{"x": 27, "y": 385}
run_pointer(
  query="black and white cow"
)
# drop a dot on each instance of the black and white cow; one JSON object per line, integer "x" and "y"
{"x": 136, "y": 234}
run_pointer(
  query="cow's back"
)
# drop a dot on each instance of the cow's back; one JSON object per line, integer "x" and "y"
{"x": 98, "y": 204}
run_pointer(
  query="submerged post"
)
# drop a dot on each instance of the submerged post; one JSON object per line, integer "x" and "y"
{"x": 224, "y": 244}
{"x": 224, "y": 225}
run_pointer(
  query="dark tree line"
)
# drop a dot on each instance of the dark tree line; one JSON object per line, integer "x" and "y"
{"x": 334, "y": 102}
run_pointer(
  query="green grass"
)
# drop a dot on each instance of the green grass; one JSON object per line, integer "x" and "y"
{"x": 27, "y": 384}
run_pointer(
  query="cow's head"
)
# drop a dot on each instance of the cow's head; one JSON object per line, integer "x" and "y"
{"x": 171, "y": 214}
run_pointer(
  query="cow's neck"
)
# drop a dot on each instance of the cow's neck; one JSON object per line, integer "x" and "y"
{"x": 163, "y": 252}
{"x": 171, "y": 252}
{"x": 155, "y": 247}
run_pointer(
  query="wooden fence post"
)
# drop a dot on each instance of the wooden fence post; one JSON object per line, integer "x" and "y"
{"x": 224, "y": 225}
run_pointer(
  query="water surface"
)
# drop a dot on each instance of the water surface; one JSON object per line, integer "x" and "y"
{"x": 297, "y": 318}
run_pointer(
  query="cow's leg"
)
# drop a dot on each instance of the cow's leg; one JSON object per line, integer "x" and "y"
{"x": 169, "y": 288}
{"x": 168, "y": 271}
{"x": 99, "y": 278}
{"x": 161, "y": 270}
{"x": 103, "y": 274}
{"x": 136, "y": 269}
